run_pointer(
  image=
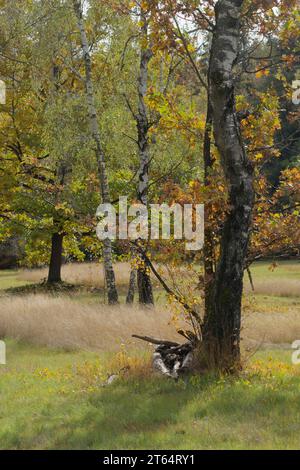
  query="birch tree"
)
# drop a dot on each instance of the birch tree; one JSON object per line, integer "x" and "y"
{"x": 220, "y": 330}
{"x": 143, "y": 275}
{"x": 222, "y": 323}
{"x": 104, "y": 186}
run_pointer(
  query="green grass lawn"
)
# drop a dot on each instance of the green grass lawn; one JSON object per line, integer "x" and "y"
{"x": 9, "y": 278}
{"x": 284, "y": 269}
{"x": 52, "y": 399}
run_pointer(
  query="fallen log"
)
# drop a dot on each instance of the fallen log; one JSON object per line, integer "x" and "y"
{"x": 156, "y": 341}
{"x": 169, "y": 358}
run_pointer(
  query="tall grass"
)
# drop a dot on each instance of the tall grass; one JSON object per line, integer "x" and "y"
{"x": 283, "y": 282}
{"x": 86, "y": 274}
{"x": 62, "y": 322}
{"x": 283, "y": 287}
{"x": 271, "y": 328}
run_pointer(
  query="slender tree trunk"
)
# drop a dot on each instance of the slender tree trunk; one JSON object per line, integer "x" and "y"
{"x": 107, "y": 245}
{"x": 221, "y": 332}
{"x": 131, "y": 288}
{"x": 145, "y": 287}
{"x": 54, "y": 273}
{"x": 208, "y": 235}
{"x": 143, "y": 275}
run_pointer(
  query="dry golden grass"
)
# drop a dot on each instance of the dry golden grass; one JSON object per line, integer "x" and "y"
{"x": 282, "y": 287}
{"x": 62, "y": 322}
{"x": 271, "y": 328}
{"x": 91, "y": 275}
{"x": 87, "y": 274}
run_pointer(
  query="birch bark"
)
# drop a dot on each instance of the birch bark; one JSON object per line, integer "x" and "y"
{"x": 222, "y": 322}
{"x": 143, "y": 275}
{"x": 104, "y": 186}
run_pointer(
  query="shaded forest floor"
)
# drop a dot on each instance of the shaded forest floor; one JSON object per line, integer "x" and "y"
{"x": 60, "y": 351}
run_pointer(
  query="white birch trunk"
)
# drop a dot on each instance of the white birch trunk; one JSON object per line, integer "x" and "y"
{"x": 104, "y": 187}
{"x": 222, "y": 321}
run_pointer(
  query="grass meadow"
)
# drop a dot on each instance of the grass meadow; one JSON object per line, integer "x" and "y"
{"x": 61, "y": 349}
